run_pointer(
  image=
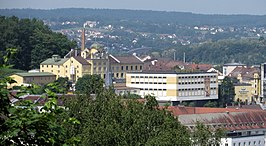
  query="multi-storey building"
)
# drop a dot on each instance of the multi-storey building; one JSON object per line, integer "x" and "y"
{"x": 173, "y": 86}
{"x": 263, "y": 81}
{"x": 73, "y": 67}
{"x": 251, "y": 76}
{"x": 91, "y": 61}
{"x": 122, "y": 65}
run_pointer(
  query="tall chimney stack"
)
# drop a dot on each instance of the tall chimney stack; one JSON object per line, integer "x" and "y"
{"x": 83, "y": 39}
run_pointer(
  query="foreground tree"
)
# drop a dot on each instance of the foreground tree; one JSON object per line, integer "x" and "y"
{"x": 89, "y": 84}
{"x": 226, "y": 92}
{"x": 24, "y": 124}
{"x": 109, "y": 120}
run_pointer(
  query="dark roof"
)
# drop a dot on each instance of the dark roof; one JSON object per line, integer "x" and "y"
{"x": 81, "y": 60}
{"x": 125, "y": 59}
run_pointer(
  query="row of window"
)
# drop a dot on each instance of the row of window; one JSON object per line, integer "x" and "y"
{"x": 151, "y": 89}
{"x": 247, "y": 143}
{"x": 196, "y": 77}
{"x": 148, "y": 82}
{"x": 185, "y": 83}
{"x": 195, "y": 89}
{"x": 148, "y": 77}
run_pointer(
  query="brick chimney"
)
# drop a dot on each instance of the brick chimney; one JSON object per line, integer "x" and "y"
{"x": 83, "y": 39}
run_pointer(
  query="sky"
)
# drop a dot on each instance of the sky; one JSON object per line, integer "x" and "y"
{"x": 253, "y": 7}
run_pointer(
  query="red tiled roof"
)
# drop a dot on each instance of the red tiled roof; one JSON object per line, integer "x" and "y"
{"x": 180, "y": 110}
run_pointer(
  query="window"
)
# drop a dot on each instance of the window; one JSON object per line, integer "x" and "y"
{"x": 99, "y": 69}
{"x": 131, "y": 67}
{"x": 122, "y": 75}
{"x": 58, "y": 71}
{"x": 46, "y": 65}
{"x": 140, "y": 67}
{"x": 117, "y": 75}
{"x": 126, "y": 67}
{"x": 42, "y": 65}
{"x": 136, "y": 67}
{"x": 77, "y": 66}
{"x": 122, "y": 67}
{"x": 51, "y": 70}
{"x": 42, "y": 70}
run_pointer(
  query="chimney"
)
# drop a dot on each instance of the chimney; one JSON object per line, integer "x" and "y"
{"x": 83, "y": 39}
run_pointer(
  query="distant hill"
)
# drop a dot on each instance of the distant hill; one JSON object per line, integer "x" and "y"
{"x": 148, "y": 16}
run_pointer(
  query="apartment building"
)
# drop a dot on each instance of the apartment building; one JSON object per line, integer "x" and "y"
{"x": 172, "y": 86}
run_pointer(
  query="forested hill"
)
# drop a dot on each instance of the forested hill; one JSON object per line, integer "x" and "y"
{"x": 31, "y": 42}
{"x": 109, "y": 15}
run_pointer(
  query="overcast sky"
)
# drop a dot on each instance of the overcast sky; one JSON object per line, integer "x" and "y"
{"x": 195, "y": 6}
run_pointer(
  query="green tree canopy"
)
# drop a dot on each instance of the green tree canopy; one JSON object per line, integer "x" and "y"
{"x": 89, "y": 84}
{"x": 34, "y": 42}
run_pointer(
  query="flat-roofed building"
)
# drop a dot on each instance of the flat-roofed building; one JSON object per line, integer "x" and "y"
{"x": 39, "y": 78}
{"x": 172, "y": 86}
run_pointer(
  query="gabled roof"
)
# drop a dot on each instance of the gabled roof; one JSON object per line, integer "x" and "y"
{"x": 124, "y": 59}
{"x": 81, "y": 60}
{"x": 51, "y": 61}
{"x": 247, "y": 72}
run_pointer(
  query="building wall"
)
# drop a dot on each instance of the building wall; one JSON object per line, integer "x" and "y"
{"x": 119, "y": 70}
{"x": 39, "y": 80}
{"x": 74, "y": 69}
{"x": 18, "y": 79}
{"x": 252, "y": 140}
{"x": 99, "y": 67}
{"x": 175, "y": 87}
{"x": 58, "y": 70}
{"x": 243, "y": 93}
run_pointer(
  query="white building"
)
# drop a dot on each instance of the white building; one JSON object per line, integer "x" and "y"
{"x": 175, "y": 86}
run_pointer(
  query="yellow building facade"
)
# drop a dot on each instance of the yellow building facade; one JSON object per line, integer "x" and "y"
{"x": 38, "y": 78}
{"x": 92, "y": 61}
{"x": 243, "y": 93}
{"x": 175, "y": 86}
{"x": 73, "y": 67}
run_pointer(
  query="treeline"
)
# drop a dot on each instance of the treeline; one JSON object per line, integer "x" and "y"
{"x": 30, "y": 42}
{"x": 247, "y": 51}
{"x": 117, "y": 16}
